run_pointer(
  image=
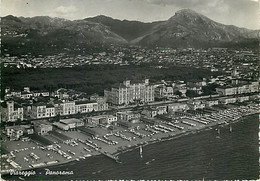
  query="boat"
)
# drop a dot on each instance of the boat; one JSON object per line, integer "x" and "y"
{"x": 118, "y": 161}
{"x": 218, "y": 133}
{"x": 218, "y": 130}
{"x": 141, "y": 151}
{"x": 147, "y": 163}
{"x": 230, "y": 129}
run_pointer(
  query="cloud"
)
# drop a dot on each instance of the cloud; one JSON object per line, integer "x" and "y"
{"x": 67, "y": 12}
{"x": 63, "y": 10}
{"x": 179, "y": 3}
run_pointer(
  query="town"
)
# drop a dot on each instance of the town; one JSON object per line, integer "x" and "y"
{"x": 42, "y": 128}
{"x": 213, "y": 59}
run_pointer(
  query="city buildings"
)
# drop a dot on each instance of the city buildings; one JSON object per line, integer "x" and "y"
{"x": 16, "y": 131}
{"x": 238, "y": 89}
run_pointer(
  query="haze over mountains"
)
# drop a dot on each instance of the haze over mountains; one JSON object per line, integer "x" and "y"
{"x": 185, "y": 29}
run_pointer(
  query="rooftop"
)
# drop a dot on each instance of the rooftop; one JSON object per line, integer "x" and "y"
{"x": 69, "y": 121}
{"x": 84, "y": 102}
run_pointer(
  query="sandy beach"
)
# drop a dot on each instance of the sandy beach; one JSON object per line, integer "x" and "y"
{"x": 76, "y": 145}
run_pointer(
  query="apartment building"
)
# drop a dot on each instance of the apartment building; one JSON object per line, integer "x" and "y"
{"x": 14, "y": 112}
{"x": 238, "y": 89}
{"x": 42, "y": 110}
{"x": 85, "y": 106}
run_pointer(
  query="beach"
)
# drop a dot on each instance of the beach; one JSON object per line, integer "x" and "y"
{"x": 124, "y": 139}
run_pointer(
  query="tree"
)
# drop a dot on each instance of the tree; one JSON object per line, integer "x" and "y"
{"x": 191, "y": 93}
{"x": 178, "y": 93}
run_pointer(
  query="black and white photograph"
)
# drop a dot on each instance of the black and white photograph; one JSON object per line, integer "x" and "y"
{"x": 129, "y": 90}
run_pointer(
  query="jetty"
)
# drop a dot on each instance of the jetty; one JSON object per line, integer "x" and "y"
{"x": 115, "y": 158}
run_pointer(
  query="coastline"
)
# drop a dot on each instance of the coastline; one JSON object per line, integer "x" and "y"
{"x": 143, "y": 144}
{"x": 207, "y": 127}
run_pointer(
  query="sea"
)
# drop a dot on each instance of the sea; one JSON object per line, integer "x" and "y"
{"x": 201, "y": 155}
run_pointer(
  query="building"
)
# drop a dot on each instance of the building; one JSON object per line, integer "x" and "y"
{"x": 42, "y": 110}
{"x": 26, "y": 95}
{"x": 127, "y": 116}
{"x": 39, "y": 110}
{"x": 14, "y": 132}
{"x": 14, "y": 112}
{"x": 85, "y": 106}
{"x": 163, "y": 91}
{"x": 238, "y": 89}
{"x": 176, "y": 107}
{"x": 42, "y": 127}
{"x": 254, "y": 87}
{"x": 50, "y": 110}
{"x": 102, "y": 102}
{"x": 102, "y": 119}
{"x": 194, "y": 105}
{"x": 242, "y": 98}
{"x": 227, "y": 100}
{"x": 61, "y": 126}
{"x": 226, "y": 90}
{"x": 210, "y": 102}
{"x": 72, "y": 123}
{"x": 161, "y": 110}
{"x": 150, "y": 112}
{"x": 127, "y": 93}
{"x": 195, "y": 88}
{"x": 68, "y": 108}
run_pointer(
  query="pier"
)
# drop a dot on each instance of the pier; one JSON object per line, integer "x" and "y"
{"x": 115, "y": 158}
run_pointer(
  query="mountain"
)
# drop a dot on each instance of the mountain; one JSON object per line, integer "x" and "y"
{"x": 42, "y": 34}
{"x": 129, "y": 30}
{"x": 188, "y": 28}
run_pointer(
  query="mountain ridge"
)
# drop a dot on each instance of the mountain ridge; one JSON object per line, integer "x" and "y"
{"x": 186, "y": 28}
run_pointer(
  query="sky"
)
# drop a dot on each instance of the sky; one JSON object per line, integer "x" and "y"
{"x": 241, "y": 13}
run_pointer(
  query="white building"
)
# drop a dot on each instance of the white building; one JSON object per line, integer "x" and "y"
{"x": 85, "y": 106}
{"x": 41, "y": 110}
{"x": 72, "y": 123}
{"x": 102, "y": 119}
{"x": 14, "y": 112}
{"x": 127, "y": 115}
{"x": 175, "y": 107}
{"x": 127, "y": 93}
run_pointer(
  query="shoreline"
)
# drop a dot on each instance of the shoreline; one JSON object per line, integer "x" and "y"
{"x": 128, "y": 149}
{"x": 186, "y": 133}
